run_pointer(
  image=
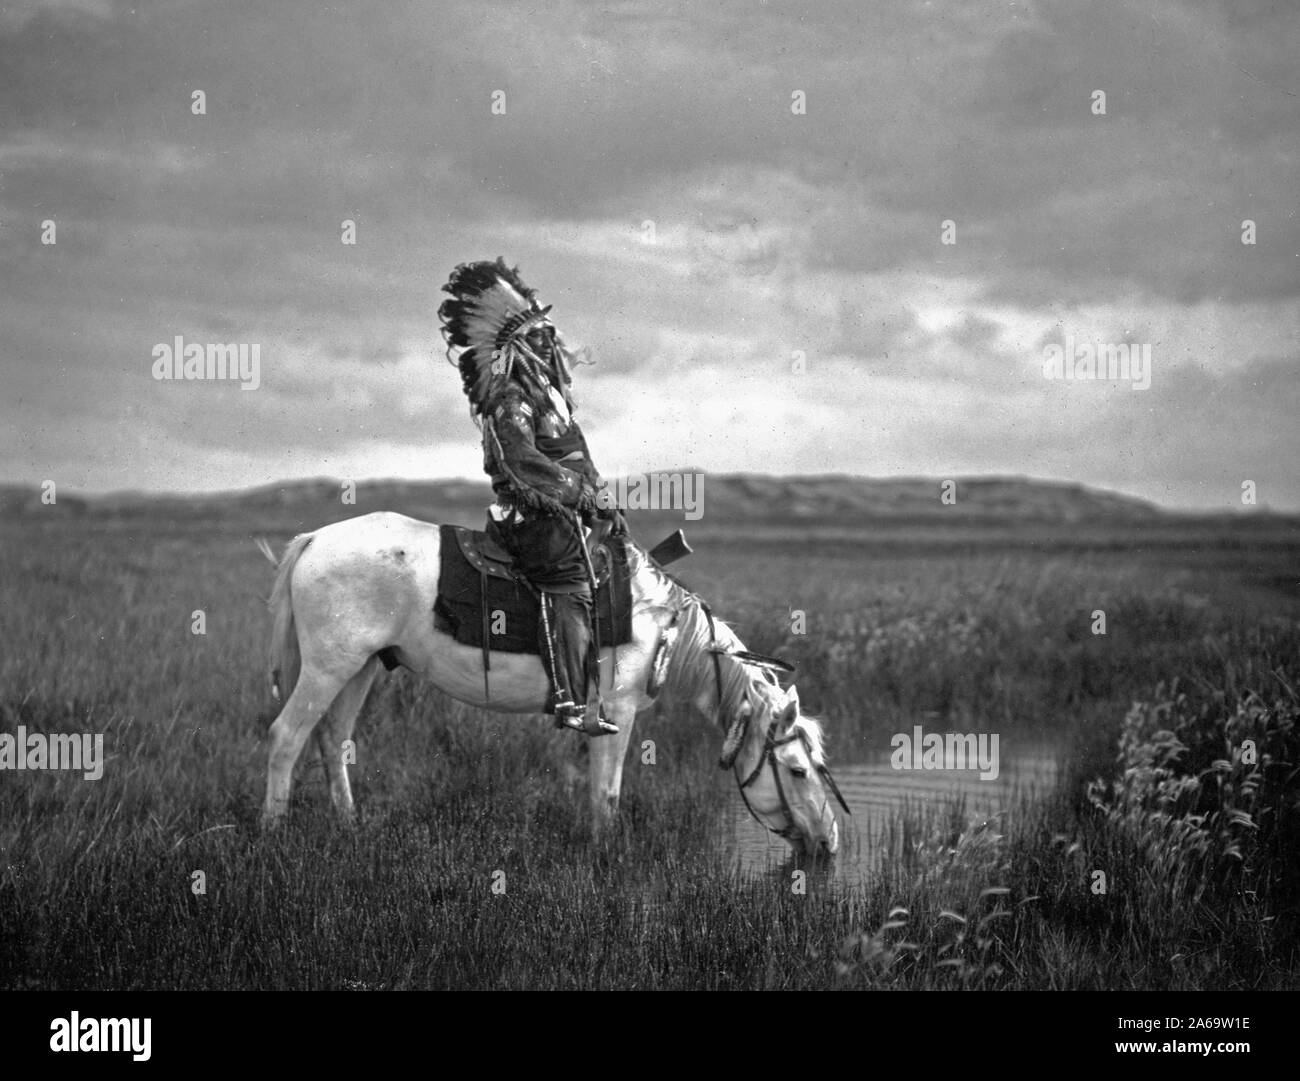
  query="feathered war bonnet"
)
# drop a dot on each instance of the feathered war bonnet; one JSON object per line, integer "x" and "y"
{"x": 488, "y": 318}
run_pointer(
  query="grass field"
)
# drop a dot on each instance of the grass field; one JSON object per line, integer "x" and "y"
{"x": 955, "y": 629}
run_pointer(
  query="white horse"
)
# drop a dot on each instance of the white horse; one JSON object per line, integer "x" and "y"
{"x": 353, "y": 589}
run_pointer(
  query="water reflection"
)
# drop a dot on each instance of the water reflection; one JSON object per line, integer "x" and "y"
{"x": 941, "y": 802}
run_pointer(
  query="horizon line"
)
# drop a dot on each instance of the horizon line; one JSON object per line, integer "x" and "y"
{"x": 1023, "y": 478}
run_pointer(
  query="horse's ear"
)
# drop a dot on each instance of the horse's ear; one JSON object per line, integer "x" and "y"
{"x": 790, "y": 712}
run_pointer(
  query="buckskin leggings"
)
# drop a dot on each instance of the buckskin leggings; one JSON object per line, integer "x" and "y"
{"x": 548, "y": 552}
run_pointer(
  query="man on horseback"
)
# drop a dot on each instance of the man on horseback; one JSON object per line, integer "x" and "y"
{"x": 514, "y": 367}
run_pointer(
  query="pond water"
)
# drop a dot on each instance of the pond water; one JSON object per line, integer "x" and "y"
{"x": 934, "y": 804}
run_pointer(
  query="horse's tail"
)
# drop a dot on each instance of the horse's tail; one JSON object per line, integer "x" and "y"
{"x": 286, "y": 660}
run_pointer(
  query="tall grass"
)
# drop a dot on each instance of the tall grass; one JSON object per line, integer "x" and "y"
{"x": 1196, "y": 842}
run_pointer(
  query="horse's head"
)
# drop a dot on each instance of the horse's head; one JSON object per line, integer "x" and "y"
{"x": 775, "y": 752}
{"x": 779, "y": 761}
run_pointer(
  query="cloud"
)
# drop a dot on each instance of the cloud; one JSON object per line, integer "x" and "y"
{"x": 651, "y": 179}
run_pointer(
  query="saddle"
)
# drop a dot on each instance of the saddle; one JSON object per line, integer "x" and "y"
{"x": 486, "y": 555}
{"x": 484, "y": 603}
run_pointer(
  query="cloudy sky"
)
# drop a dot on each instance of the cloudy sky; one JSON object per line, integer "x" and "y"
{"x": 740, "y": 206}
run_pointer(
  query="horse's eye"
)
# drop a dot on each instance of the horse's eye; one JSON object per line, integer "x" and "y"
{"x": 798, "y": 771}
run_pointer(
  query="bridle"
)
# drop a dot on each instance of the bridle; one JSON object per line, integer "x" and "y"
{"x": 771, "y": 743}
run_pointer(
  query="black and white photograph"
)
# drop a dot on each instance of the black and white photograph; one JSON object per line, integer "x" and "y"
{"x": 647, "y": 496}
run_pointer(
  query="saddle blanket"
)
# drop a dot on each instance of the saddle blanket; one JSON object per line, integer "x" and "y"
{"x": 480, "y": 603}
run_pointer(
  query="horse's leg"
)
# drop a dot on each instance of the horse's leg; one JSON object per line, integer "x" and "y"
{"x": 311, "y": 697}
{"x": 336, "y": 727}
{"x": 607, "y": 755}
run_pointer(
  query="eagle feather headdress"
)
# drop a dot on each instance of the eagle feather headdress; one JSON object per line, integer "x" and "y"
{"x": 488, "y": 318}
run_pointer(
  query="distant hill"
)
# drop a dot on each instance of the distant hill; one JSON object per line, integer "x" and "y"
{"x": 743, "y": 497}
{"x": 849, "y": 499}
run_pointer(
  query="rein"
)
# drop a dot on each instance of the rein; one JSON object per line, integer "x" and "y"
{"x": 770, "y": 744}
{"x": 768, "y": 757}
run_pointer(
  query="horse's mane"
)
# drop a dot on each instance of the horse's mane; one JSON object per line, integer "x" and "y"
{"x": 691, "y": 671}
{"x": 812, "y": 728}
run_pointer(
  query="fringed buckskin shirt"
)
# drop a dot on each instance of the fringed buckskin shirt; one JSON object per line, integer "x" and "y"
{"x": 537, "y": 457}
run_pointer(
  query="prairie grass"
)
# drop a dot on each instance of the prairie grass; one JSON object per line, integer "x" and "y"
{"x": 1197, "y": 844}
